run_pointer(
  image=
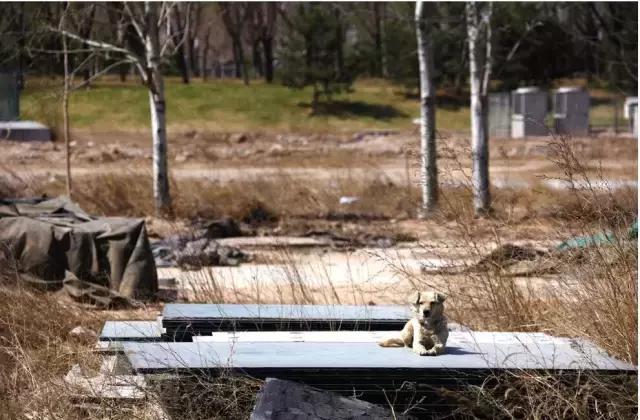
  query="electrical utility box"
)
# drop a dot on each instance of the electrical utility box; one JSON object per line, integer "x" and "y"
{"x": 631, "y": 114}
{"x": 500, "y": 115}
{"x": 528, "y": 112}
{"x": 571, "y": 111}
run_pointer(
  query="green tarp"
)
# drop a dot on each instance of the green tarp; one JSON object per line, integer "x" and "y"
{"x": 598, "y": 239}
{"x": 55, "y": 243}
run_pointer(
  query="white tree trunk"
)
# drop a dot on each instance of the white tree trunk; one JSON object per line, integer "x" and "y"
{"x": 429, "y": 168}
{"x": 155, "y": 84}
{"x": 479, "y": 66}
{"x": 65, "y": 106}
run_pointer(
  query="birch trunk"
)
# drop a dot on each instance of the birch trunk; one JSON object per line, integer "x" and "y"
{"x": 429, "y": 169}
{"x": 479, "y": 66}
{"x": 65, "y": 114}
{"x": 157, "y": 106}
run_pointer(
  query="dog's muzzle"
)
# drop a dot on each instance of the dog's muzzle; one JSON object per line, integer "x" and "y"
{"x": 426, "y": 313}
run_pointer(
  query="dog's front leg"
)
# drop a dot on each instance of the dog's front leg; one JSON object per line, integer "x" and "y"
{"x": 438, "y": 347}
{"x": 417, "y": 345}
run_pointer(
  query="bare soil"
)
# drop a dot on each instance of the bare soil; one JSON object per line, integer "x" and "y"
{"x": 333, "y": 161}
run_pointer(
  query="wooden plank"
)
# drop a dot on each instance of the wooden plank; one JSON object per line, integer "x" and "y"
{"x": 131, "y": 331}
{"x": 204, "y": 311}
{"x": 465, "y": 350}
{"x": 294, "y": 337}
{"x": 319, "y": 336}
{"x": 377, "y": 375}
{"x": 182, "y": 321}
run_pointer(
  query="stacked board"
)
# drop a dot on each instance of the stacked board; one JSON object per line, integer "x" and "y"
{"x": 378, "y": 375}
{"x": 140, "y": 331}
{"x": 183, "y": 321}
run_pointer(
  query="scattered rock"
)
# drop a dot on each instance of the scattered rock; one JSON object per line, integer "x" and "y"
{"x": 276, "y": 150}
{"x": 345, "y": 200}
{"x": 238, "y": 138}
{"x": 83, "y": 334}
{"x": 183, "y": 157}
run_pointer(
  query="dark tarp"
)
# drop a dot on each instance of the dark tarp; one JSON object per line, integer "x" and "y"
{"x": 55, "y": 243}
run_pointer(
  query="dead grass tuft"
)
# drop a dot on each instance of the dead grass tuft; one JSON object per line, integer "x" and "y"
{"x": 543, "y": 395}
{"x": 592, "y": 294}
{"x": 36, "y": 350}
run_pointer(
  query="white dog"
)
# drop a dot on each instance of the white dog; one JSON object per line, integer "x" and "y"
{"x": 427, "y": 332}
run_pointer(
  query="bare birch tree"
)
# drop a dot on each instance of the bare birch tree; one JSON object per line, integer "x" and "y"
{"x": 480, "y": 60}
{"x": 65, "y": 104}
{"x": 429, "y": 168}
{"x": 149, "y": 20}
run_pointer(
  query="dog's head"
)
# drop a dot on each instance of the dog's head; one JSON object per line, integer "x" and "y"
{"x": 427, "y": 304}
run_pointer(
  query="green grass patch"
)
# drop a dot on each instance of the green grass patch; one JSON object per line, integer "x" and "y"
{"x": 228, "y": 105}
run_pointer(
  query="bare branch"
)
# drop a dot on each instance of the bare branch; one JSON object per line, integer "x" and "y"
{"x": 488, "y": 59}
{"x": 97, "y": 44}
{"x": 100, "y": 73}
{"x": 134, "y": 22}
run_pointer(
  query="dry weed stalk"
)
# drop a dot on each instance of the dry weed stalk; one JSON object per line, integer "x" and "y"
{"x": 592, "y": 294}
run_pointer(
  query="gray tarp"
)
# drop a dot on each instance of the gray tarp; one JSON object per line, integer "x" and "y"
{"x": 59, "y": 244}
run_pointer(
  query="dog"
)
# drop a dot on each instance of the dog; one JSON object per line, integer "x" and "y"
{"x": 427, "y": 332}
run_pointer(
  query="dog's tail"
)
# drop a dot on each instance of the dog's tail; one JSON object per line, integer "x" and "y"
{"x": 392, "y": 342}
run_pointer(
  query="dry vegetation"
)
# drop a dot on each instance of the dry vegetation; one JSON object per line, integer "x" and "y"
{"x": 593, "y": 293}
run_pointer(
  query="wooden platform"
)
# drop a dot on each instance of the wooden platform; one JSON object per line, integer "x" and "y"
{"x": 334, "y": 348}
{"x": 334, "y": 362}
{"x": 465, "y": 351}
{"x": 140, "y": 331}
{"x": 183, "y": 321}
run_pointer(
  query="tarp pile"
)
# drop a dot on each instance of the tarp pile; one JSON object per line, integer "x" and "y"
{"x": 57, "y": 246}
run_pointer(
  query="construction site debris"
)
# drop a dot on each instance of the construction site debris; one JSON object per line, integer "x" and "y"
{"x": 287, "y": 400}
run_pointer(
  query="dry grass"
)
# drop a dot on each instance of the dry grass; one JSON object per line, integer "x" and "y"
{"x": 36, "y": 350}
{"x": 285, "y": 197}
{"x": 591, "y": 294}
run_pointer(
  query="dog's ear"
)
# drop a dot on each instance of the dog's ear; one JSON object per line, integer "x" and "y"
{"x": 414, "y": 298}
{"x": 439, "y": 297}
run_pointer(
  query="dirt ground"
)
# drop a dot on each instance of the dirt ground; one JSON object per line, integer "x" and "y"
{"x": 354, "y": 275}
{"x": 388, "y": 154}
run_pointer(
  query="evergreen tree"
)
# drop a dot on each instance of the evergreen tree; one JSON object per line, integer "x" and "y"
{"x": 312, "y": 51}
